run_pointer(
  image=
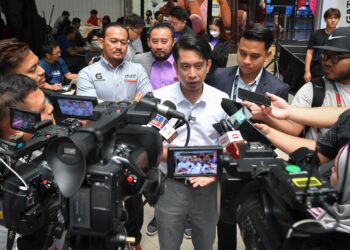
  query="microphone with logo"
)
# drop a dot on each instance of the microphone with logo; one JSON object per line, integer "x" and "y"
{"x": 161, "y": 123}
{"x": 229, "y": 138}
{"x": 239, "y": 120}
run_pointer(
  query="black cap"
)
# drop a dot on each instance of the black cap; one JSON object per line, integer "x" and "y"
{"x": 338, "y": 41}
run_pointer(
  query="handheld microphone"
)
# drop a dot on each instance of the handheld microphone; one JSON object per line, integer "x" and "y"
{"x": 229, "y": 138}
{"x": 161, "y": 123}
{"x": 163, "y": 109}
{"x": 239, "y": 119}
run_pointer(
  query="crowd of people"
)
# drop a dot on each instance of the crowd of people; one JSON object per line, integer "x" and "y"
{"x": 189, "y": 70}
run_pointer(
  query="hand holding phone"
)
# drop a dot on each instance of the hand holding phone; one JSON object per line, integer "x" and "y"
{"x": 254, "y": 97}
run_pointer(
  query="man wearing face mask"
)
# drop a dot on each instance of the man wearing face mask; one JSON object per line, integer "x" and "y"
{"x": 94, "y": 53}
{"x": 220, "y": 45}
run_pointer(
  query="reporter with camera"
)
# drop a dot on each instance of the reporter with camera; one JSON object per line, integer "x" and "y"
{"x": 198, "y": 197}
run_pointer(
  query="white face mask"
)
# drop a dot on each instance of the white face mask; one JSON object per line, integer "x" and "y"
{"x": 95, "y": 45}
{"x": 214, "y": 34}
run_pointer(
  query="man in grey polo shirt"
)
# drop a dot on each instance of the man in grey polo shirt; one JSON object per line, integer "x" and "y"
{"x": 113, "y": 78}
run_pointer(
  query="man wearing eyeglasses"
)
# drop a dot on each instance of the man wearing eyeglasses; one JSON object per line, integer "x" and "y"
{"x": 113, "y": 78}
{"x": 55, "y": 67}
{"x": 135, "y": 25}
{"x": 335, "y": 57}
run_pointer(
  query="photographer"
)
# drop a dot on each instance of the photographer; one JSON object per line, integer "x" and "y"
{"x": 23, "y": 92}
{"x": 196, "y": 198}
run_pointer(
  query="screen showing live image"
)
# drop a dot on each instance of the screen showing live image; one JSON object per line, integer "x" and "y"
{"x": 23, "y": 121}
{"x": 196, "y": 163}
{"x": 79, "y": 108}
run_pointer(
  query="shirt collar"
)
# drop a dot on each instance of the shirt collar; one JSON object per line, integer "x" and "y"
{"x": 179, "y": 97}
{"x": 108, "y": 64}
{"x": 256, "y": 80}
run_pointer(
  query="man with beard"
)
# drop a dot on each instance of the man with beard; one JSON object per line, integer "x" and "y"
{"x": 113, "y": 78}
{"x": 336, "y": 67}
{"x": 158, "y": 63}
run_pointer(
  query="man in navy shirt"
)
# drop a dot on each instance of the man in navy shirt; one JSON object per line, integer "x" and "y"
{"x": 55, "y": 67}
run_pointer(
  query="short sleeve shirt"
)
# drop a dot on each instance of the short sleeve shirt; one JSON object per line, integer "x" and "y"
{"x": 336, "y": 137}
{"x": 109, "y": 83}
{"x": 54, "y": 73}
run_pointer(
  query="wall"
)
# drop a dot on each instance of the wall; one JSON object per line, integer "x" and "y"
{"x": 80, "y": 8}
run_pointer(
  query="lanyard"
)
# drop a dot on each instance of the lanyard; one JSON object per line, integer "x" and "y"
{"x": 337, "y": 95}
{"x": 234, "y": 88}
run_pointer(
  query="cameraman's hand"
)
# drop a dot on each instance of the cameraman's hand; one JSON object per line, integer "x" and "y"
{"x": 138, "y": 97}
{"x": 201, "y": 181}
{"x": 56, "y": 87}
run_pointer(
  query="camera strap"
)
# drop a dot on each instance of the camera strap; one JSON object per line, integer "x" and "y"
{"x": 11, "y": 236}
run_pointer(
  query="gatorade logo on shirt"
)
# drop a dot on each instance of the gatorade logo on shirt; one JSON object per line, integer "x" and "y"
{"x": 130, "y": 78}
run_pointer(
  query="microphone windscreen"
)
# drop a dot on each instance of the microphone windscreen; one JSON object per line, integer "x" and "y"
{"x": 169, "y": 104}
{"x": 228, "y": 106}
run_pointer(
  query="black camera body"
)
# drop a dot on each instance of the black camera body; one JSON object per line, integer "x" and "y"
{"x": 26, "y": 209}
{"x": 272, "y": 207}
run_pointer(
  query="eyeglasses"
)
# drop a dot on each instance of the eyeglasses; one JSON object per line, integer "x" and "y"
{"x": 335, "y": 58}
{"x": 137, "y": 32}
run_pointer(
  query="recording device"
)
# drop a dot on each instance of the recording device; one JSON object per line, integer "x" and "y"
{"x": 184, "y": 162}
{"x": 239, "y": 120}
{"x": 96, "y": 168}
{"x": 77, "y": 107}
{"x": 254, "y": 97}
{"x": 24, "y": 120}
{"x": 272, "y": 208}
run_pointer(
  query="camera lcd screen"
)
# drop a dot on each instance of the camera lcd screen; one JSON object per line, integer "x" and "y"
{"x": 193, "y": 161}
{"x": 24, "y": 120}
{"x": 79, "y": 107}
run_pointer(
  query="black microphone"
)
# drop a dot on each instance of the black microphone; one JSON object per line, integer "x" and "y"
{"x": 163, "y": 109}
{"x": 239, "y": 119}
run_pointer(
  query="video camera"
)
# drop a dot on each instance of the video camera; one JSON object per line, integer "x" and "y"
{"x": 94, "y": 168}
{"x": 273, "y": 206}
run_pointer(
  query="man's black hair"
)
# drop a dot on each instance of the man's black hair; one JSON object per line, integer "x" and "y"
{"x": 93, "y": 33}
{"x": 194, "y": 43}
{"x": 76, "y": 20}
{"x": 259, "y": 32}
{"x": 179, "y": 13}
{"x": 93, "y": 12}
{"x": 65, "y": 13}
{"x": 114, "y": 24}
{"x": 134, "y": 21}
{"x": 13, "y": 90}
{"x": 49, "y": 47}
{"x": 69, "y": 30}
{"x": 157, "y": 13}
{"x": 162, "y": 26}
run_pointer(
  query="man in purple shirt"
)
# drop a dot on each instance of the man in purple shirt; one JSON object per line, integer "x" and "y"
{"x": 158, "y": 63}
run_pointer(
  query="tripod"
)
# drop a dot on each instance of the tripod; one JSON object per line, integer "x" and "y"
{"x": 275, "y": 60}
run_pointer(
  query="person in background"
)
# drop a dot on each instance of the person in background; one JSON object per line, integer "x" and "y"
{"x": 178, "y": 19}
{"x": 70, "y": 53}
{"x": 55, "y": 68}
{"x": 149, "y": 18}
{"x": 220, "y": 44}
{"x": 94, "y": 19}
{"x": 105, "y": 21}
{"x": 60, "y": 22}
{"x": 260, "y": 11}
{"x": 79, "y": 40}
{"x": 158, "y": 63}
{"x": 135, "y": 24}
{"x": 94, "y": 53}
{"x": 313, "y": 67}
{"x": 158, "y": 17}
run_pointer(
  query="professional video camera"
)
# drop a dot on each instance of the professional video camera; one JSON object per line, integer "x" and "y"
{"x": 273, "y": 207}
{"x": 96, "y": 167}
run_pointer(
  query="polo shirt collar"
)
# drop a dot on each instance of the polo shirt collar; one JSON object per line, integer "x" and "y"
{"x": 108, "y": 64}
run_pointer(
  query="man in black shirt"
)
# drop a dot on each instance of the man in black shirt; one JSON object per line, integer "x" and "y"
{"x": 313, "y": 67}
